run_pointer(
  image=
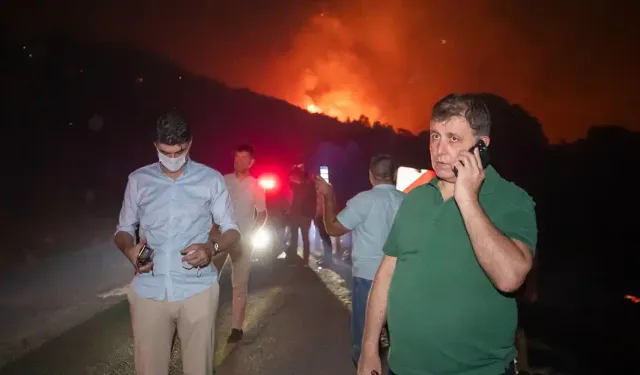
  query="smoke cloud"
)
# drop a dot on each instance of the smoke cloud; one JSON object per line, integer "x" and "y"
{"x": 391, "y": 60}
{"x": 570, "y": 63}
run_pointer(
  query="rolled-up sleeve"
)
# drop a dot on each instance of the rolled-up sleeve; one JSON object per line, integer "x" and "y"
{"x": 221, "y": 208}
{"x": 356, "y": 211}
{"x": 129, "y": 218}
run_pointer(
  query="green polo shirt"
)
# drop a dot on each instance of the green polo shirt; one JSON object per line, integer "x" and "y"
{"x": 445, "y": 316}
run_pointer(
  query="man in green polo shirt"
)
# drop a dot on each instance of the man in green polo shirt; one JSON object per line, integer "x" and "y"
{"x": 459, "y": 247}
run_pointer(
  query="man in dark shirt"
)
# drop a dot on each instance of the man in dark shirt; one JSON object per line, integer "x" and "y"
{"x": 459, "y": 246}
{"x": 301, "y": 212}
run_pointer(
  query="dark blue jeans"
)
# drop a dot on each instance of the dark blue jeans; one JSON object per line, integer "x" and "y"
{"x": 359, "y": 296}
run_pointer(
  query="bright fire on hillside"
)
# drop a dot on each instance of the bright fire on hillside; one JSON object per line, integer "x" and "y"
{"x": 342, "y": 105}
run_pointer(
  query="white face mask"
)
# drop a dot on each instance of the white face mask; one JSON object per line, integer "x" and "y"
{"x": 173, "y": 164}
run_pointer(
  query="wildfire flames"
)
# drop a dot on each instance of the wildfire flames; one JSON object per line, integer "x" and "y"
{"x": 328, "y": 75}
{"x": 392, "y": 60}
{"x": 312, "y": 108}
{"x": 341, "y": 105}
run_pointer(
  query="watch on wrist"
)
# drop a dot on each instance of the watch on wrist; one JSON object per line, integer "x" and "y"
{"x": 216, "y": 248}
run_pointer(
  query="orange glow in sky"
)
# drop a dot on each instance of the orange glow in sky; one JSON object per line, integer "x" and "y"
{"x": 391, "y": 60}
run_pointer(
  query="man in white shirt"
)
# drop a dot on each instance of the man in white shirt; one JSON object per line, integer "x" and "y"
{"x": 173, "y": 203}
{"x": 369, "y": 215}
{"x": 250, "y": 211}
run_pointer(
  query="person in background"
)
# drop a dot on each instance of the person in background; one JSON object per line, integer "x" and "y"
{"x": 369, "y": 215}
{"x": 173, "y": 203}
{"x": 301, "y": 212}
{"x": 459, "y": 247}
{"x": 325, "y": 239}
{"x": 278, "y": 207}
{"x": 248, "y": 200}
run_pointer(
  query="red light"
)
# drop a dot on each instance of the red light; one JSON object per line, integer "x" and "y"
{"x": 631, "y": 298}
{"x": 267, "y": 182}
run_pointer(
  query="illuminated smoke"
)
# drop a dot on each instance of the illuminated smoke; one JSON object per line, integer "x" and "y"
{"x": 331, "y": 78}
{"x": 571, "y": 64}
{"x": 391, "y": 60}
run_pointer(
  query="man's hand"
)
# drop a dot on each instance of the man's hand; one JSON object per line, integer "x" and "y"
{"x": 132, "y": 255}
{"x": 198, "y": 254}
{"x": 323, "y": 187}
{"x": 470, "y": 176}
{"x": 369, "y": 364}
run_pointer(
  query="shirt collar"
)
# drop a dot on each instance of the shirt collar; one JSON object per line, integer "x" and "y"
{"x": 384, "y": 186}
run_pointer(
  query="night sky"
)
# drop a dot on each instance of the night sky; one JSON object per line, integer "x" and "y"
{"x": 570, "y": 63}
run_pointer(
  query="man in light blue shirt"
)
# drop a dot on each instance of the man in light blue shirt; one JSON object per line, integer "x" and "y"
{"x": 369, "y": 215}
{"x": 173, "y": 203}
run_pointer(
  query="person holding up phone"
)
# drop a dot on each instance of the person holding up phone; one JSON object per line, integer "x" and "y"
{"x": 459, "y": 247}
{"x": 369, "y": 215}
{"x": 173, "y": 202}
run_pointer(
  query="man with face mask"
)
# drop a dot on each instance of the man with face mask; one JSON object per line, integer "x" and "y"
{"x": 248, "y": 199}
{"x": 173, "y": 202}
{"x": 460, "y": 245}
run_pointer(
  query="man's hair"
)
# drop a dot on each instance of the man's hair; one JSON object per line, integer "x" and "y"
{"x": 246, "y": 148}
{"x": 469, "y": 106}
{"x": 382, "y": 167}
{"x": 299, "y": 171}
{"x": 172, "y": 129}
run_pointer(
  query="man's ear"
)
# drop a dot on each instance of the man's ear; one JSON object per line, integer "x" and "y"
{"x": 486, "y": 140}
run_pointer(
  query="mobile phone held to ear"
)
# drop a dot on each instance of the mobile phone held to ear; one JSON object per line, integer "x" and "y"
{"x": 484, "y": 155}
{"x": 484, "y": 152}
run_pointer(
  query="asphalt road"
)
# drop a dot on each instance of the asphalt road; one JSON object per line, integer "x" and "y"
{"x": 43, "y": 300}
{"x": 70, "y": 316}
{"x": 297, "y": 323}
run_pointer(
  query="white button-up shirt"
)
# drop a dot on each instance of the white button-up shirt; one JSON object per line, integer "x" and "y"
{"x": 173, "y": 215}
{"x": 247, "y": 198}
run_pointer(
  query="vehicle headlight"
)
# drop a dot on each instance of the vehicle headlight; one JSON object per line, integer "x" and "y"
{"x": 261, "y": 239}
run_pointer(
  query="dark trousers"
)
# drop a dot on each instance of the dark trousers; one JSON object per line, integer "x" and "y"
{"x": 359, "y": 297}
{"x": 295, "y": 223}
{"x": 325, "y": 238}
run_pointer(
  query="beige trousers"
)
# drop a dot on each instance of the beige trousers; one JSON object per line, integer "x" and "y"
{"x": 240, "y": 265}
{"x": 154, "y": 324}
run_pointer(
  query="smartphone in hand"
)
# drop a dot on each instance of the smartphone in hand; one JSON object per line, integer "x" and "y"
{"x": 324, "y": 172}
{"x": 144, "y": 256}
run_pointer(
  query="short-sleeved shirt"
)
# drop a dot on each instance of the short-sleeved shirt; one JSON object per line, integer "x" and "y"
{"x": 247, "y": 197}
{"x": 445, "y": 315}
{"x": 173, "y": 214}
{"x": 370, "y": 215}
